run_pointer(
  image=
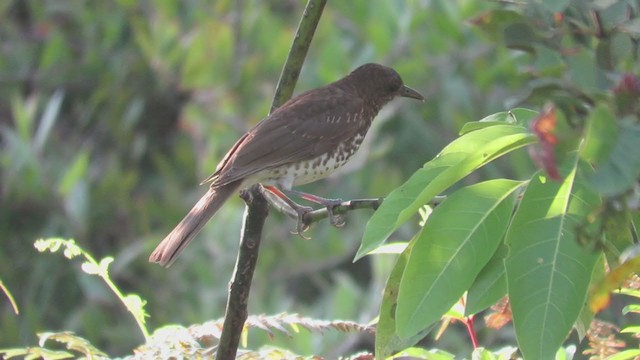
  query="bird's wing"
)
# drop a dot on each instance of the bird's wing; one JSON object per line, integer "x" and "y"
{"x": 301, "y": 129}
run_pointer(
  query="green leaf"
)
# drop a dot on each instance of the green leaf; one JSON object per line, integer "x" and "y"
{"x": 631, "y": 27}
{"x": 90, "y": 268}
{"x": 461, "y": 157}
{"x": 478, "y": 148}
{"x": 482, "y": 354}
{"x": 104, "y": 264}
{"x": 48, "y": 119}
{"x": 392, "y": 248}
{"x": 625, "y": 355}
{"x": 459, "y": 238}
{"x": 135, "y": 304}
{"x": 493, "y": 22}
{"x": 43, "y": 245}
{"x": 617, "y": 233}
{"x": 518, "y": 116}
{"x": 71, "y": 249}
{"x": 631, "y": 308}
{"x": 555, "y": 5}
{"x": 35, "y": 353}
{"x": 630, "y": 292}
{"x": 566, "y": 353}
{"x": 420, "y": 353}
{"x": 622, "y": 168}
{"x": 381, "y": 224}
{"x": 23, "y": 112}
{"x": 635, "y": 222}
{"x": 387, "y": 341}
{"x": 548, "y": 62}
{"x": 600, "y": 135}
{"x": 612, "y": 49}
{"x": 583, "y": 70}
{"x": 583, "y": 323}
{"x": 630, "y": 330}
{"x": 490, "y": 285}
{"x": 548, "y": 272}
{"x": 76, "y": 172}
{"x": 72, "y": 342}
{"x": 520, "y": 36}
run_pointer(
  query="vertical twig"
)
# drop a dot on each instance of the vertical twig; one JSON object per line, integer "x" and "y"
{"x": 298, "y": 52}
{"x": 239, "y": 45}
{"x": 257, "y": 208}
{"x": 255, "y": 214}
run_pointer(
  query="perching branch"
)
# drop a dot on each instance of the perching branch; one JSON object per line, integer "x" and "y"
{"x": 319, "y": 214}
{"x": 236, "y": 313}
{"x": 257, "y": 208}
{"x": 316, "y": 215}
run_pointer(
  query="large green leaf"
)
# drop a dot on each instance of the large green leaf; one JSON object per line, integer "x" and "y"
{"x": 600, "y": 135}
{"x": 387, "y": 340}
{"x": 548, "y": 272}
{"x": 618, "y": 173}
{"x": 489, "y": 286}
{"x": 618, "y": 235}
{"x": 583, "y": 323}
{"x": 457, "y": 160}
{"x": 382, "y": 220}
{"x": 459, "y": 238}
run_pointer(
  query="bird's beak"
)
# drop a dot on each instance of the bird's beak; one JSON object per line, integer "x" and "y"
{"x": 408, "y": 92}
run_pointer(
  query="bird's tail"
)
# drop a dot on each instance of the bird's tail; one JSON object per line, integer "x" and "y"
{"x": 169, "y": 249}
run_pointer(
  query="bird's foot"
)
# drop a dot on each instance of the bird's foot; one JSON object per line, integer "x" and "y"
{"x": 301, "y": 225}
{"x": 337, "y": 220}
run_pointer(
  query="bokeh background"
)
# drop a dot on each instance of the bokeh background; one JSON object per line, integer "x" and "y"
{"x": 111, "y": 112}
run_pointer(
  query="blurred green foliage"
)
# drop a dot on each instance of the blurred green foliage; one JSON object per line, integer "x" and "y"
{"x": 111, "y": 112}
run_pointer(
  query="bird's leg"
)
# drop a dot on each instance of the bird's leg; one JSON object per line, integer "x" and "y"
{"x": 301, "y": 210}
{"x": 334, "y": 219}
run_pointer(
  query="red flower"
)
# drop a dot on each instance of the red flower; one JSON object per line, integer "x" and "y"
{"x": 543, "y": 153}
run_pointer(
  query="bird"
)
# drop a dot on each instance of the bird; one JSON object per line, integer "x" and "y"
{"x": 304, "y": 140}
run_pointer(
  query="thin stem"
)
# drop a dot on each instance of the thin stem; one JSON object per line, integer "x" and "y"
{"x": 257, "y": 207}
{"x": 10, "y": 297}
{"x": 468, "y": 322}
{"x": 298, "y": 52}
{"x": 103, "y": 273}
{"x": 101, "y": 269}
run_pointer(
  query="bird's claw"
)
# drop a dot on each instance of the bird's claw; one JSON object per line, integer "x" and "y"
{"x": 336, "y": 220}
{"x": 300, "y": 233}
{"x": 301, "y": 226}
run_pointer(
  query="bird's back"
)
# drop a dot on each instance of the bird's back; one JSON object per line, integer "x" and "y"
{"x": 319, "y": 129}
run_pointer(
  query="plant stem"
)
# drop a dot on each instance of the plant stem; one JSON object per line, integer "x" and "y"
{"x": 10, "y": 297}
{"x": 139, "y": 318}
{"x": 298, "y": 52}
{"x": 468, "y": 322}
{"x": 236, "y": 313}
{"x": 257, "y": 207}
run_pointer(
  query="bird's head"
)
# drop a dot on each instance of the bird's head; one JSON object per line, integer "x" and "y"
{"x": 380, "y": 84}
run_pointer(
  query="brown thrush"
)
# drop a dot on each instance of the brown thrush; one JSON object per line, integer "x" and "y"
{"x": 304, "y": 140}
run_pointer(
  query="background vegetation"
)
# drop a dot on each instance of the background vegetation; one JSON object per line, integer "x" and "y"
{"x": 111, "y": 113}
